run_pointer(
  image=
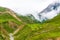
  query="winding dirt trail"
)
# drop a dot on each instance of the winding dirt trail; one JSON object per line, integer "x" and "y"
{"x": 11, "y": 35}
{"x": 17, "y": 30}
{"x": 14, "y": 15}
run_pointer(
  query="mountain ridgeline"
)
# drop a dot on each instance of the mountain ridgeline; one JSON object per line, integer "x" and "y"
{"x": 27, "y": 27}
{"x": 50, "y": 9}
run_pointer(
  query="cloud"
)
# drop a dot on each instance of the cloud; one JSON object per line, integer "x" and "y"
{"x": 26, "y": 6}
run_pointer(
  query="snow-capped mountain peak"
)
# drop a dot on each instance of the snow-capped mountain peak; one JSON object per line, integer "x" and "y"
{"x": 53, "y": 8}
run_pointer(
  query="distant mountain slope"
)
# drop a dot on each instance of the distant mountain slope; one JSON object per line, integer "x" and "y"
{"x": 45, "y": 31}
{"x": 53, "y": 6}
{"x": 50, "y": 11}
{"x": 28, "y": 18}
{"x": 55, "y": 19}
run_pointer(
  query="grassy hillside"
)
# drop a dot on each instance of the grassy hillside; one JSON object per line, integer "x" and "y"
{"x": 48, "y": 30}
{"x": 5, "y": 18}
{"x": 8, "y": 24}
{"x": 32, "y": 30}
{"x": 28, "y": 19}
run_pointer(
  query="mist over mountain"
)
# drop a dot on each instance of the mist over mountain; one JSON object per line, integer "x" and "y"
{"x": 49, "y": 12}
{"x": 25, "y": 7}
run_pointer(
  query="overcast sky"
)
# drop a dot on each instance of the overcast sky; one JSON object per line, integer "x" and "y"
{"x": 26, "y": 6}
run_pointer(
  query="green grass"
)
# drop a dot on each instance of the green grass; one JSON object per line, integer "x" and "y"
{"x": 5, "y": 18}
{"x": 1, "y": 38}
{"x": 35, "y": 26}
{"x": 49, "y": 29}
{"x": 2, "y": 9}
{"x": 22, "y": 34}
